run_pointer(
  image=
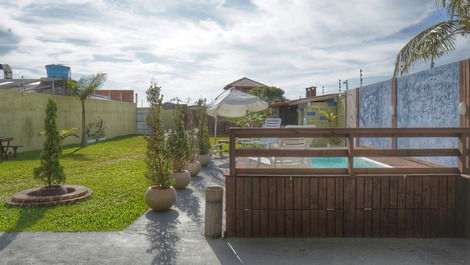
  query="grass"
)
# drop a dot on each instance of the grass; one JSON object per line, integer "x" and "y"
{"x": 114, "y": 169}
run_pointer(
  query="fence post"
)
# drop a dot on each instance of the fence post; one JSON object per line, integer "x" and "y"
{"x": 351, "y": 155}
{"x": 213, "y": 215}
{"x": 394, "y": 106}
{"x": 232, "y": 153}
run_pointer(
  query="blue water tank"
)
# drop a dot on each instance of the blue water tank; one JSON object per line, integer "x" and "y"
{"x": 58, "y": 71}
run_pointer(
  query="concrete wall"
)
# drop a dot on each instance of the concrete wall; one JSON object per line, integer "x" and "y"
{"x": 22, "y": 116}
{"x": 425, "y": 99}
{"x": 429, "y": 99}
{"x": 374, "y": 102}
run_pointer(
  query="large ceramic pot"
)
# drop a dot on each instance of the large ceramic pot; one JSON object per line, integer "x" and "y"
{"x": 160, "y": 200}
{"x": 204, "y": 159}
{"x": 182, "y": 179}
{"x": 194, "y": 167}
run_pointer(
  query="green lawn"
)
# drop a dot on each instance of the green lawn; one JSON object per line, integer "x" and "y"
{"x": 114, "y": 169}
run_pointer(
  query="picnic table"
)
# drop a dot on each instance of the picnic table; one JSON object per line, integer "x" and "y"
{"x": 219, "y": 145}
{"x": 5, "y": 145}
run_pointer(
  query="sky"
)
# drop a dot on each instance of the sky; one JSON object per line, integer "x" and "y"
{"x": 193, "y": 48}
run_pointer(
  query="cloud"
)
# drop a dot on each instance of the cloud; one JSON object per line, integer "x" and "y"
{"x": 194, "y": 47}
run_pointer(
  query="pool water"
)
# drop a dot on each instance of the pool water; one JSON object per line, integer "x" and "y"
{"x": 342, "y": 162}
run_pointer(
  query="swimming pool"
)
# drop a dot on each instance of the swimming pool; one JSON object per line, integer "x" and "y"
{"x": 342, "y": 162}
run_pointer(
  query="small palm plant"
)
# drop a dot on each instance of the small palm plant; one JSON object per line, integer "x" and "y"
{"x": 50, "y": 171}
{"x": 438, "y": 39}
{"x": 158, "y": 167}
{"x": 177, "y": 143}
{"x": 83, "y": 89}
{"x": 331, "y": 118}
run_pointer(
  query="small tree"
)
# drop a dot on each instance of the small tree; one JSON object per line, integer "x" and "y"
{"x": 158, "y": 168}
{"x": 270, "y": 94}
{"x": 177, "y": 143}
{"x": 83, "y": 89}
{"x": 204, "y": 145}
{"x": 50, "y": 171}
{"x": 331, "y": 118}
{"x": 192, "y": 146}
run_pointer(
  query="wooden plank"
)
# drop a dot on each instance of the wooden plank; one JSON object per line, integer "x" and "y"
{"x": 264, "y": 222}
{"x": 306, "y": 215}
{"x": 322, "y": 205}
{"x": 345, "y": 132}
{"x": 297, "y": 193}
{"x": 230, "y": 191}
{"x": 273, "y": 227}
{"x": 393, "y": 193}
{"x": 339, "y": 205}
{"x": 394, "y": 96}
{"x": 256, "y": 223}
{"x": 272, "y": 201}
{"x": 256, "y": 193}
{"x": 330, "y": 222}
{"x": 312, "y": 152}
{"x": 409, "y": 206}
{"x": 315, "y": 196}
{"x": 349, "y": 206}
{"x": 306, "y": 196}
{"x": 426, "y": 221}
{"x": 460, "y": 207}
{"x": 322, "y": 227}
{"x": 281, "y": 206}
{"x": 359, "y": 206}
{"x": 239, "y": 206}
{"x": 342, "y": 152}
{"x": 232, "y": 147}
{"x": 247, "y": 207}
{"x": 368, "y": 206}
{"x": 384, "y": 205}
{"x": 314, "y": 225}
{"x": 376, "y": 192}
{"x": 287, "y": 172}
{"x": 406, "y": 152}
{"x": 418, "y": 205}
{"x": 289, "y": 207}
{"x": 451, "y": 193}
{"x": 264, "y": 206}
{"x": 297, "y": 223}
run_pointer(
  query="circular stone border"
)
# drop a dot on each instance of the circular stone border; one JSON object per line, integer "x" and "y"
{"x": 26, "y": 198}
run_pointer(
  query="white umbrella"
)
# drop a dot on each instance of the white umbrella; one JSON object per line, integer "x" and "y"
{"x": 234, "y": 103}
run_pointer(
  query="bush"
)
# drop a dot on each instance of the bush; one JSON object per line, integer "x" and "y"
{"x": 50, "y": 171}
{"x": 177, "y": 143}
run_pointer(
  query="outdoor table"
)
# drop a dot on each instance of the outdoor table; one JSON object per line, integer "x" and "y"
{"x": 4, "y": 146}
{"x": 220, "y": 144}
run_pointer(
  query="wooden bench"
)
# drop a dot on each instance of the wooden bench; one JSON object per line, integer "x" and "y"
{"x": 14, "y": 149}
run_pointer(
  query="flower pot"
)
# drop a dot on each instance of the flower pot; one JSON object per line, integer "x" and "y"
{"x": 160, "y": 199}
{"x": 204, "y": 159}
{"x": 182, "y": 179}
{"x": 193, "y": 167}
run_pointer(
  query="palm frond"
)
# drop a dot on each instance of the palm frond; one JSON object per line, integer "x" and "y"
{"x": 455, "y": 8}
{"x": 432, "y": 43}
{"x": 86, "y": 86}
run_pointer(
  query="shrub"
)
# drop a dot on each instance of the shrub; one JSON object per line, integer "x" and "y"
{"x": 177, "y": 143}
{"x": 50, "y": 171}
{"x": 204, "y": 145}
{"x": 158, "y": 168}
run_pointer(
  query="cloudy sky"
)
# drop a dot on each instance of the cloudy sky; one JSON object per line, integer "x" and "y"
{"x": 194, "y": 47}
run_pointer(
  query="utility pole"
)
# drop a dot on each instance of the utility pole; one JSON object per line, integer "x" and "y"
{"x": 360, "y": 77}
{"x": 339, "y": 86}
{"x": 346, "y": 83}
{"x": 323, "y": 90}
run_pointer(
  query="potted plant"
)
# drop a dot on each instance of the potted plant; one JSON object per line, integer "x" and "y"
{"x": 177, "y": 144}
{"x": 192, "y": 165}
{"x": 204, "y": 145}
{"x": 331, "y": 118}
{"x": 160, "y": 196}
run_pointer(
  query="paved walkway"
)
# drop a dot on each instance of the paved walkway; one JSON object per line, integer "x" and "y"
{"x": 174, "y": 237}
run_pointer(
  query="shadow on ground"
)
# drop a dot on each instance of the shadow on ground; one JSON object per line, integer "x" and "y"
{"x": 28, "y": 217}
{"x": 162, "y": 234}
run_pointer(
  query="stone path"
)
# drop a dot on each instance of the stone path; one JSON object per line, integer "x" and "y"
{"x": 174, "y": 237}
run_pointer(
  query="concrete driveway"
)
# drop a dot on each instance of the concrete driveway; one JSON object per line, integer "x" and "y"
{"x": 175, "y": 237}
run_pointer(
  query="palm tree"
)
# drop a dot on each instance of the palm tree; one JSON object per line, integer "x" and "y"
{"x": 84, "y": 88}
{"x": 438, "y": 39}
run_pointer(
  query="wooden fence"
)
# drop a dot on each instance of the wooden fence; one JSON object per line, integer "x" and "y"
{"x": 382, "y": 202}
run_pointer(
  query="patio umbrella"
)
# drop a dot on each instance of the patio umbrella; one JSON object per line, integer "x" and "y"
{"x": 234, "y": 103}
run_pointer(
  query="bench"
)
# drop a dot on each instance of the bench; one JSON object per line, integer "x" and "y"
{"x": 15, "y": 149}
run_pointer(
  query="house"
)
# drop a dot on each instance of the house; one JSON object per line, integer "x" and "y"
{"x": 306, "y": 111}
{"x": 118, "y": 95}
{"x": 244, "y": 84}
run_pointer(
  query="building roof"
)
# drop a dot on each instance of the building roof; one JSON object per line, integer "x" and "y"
{"x": 303, "y": 100}
{"x": 244, "y": 82}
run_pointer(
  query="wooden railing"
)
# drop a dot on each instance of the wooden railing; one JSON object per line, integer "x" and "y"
{"x": 350, "y": 151}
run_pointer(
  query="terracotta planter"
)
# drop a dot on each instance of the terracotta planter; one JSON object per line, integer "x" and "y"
{"x": 182, "y": 179}
{"x": 204, "y": 159}
{"x": 193, "y": 167}
{"x": 160, "y": 200}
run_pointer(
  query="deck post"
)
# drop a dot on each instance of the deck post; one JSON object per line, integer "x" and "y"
{"x": 213, "y": 215}
{"x": 351, "y": 155}
{"x": 232, "y": 153}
